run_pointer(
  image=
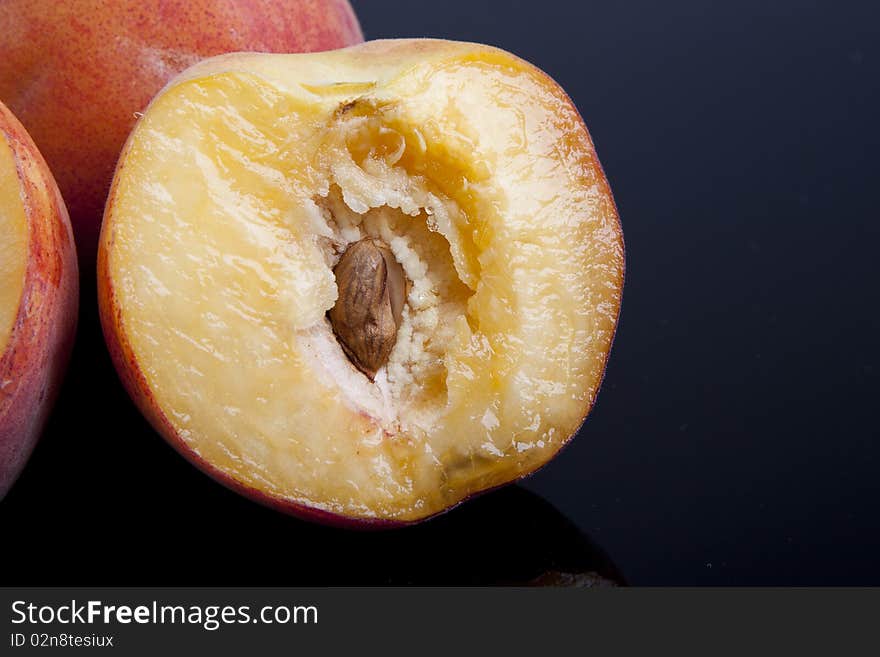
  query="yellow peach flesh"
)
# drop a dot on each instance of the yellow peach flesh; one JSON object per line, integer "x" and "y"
{"x": 248, "y": 177}
{"x": 13, "y": 242}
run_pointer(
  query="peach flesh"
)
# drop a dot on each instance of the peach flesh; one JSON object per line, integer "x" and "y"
{"x": 13, "y": 248}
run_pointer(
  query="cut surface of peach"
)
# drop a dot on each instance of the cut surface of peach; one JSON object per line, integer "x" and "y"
{"x": 244, "y": 184}
{"x": 13, "y": 242}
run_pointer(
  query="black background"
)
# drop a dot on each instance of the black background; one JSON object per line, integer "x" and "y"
{"x": 735, "y": 438}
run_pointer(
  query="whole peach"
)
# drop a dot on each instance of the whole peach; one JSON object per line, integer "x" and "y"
{"x": 76, "y": 72}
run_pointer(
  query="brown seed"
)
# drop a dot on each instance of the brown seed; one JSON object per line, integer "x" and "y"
{"x": 367, "y": 314}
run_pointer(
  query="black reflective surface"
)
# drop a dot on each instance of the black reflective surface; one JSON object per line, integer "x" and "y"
{"x": 735, "y": 440}
{"x": 508, "y": 537}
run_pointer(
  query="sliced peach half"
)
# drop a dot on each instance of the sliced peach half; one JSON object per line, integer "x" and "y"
{"x": 362, "y": 285}
{"x": 38, "y": 295}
